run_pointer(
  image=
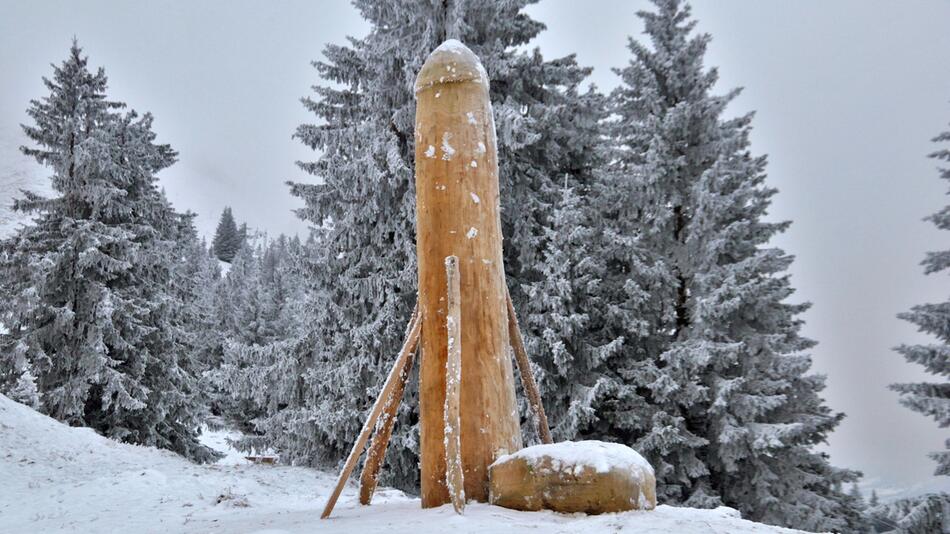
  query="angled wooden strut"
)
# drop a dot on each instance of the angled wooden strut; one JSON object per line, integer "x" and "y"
{"x": 527, "y": 377}
{"x": 369, "y": 478}
{"x": 399, "y": 368}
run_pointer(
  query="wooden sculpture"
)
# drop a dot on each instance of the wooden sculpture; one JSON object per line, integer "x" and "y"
{"x": 464, "y": 322}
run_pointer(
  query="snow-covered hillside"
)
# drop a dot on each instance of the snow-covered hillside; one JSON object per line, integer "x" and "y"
{"x": 59, "y": 479}
{"x": 17, "y": 172}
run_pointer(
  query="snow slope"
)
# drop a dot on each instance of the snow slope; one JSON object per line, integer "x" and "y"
{"x": 17, "y": 172}
{"x": 54, "y": 478}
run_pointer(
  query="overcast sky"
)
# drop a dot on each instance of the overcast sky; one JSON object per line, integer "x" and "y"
{"x": 847, "y": 93}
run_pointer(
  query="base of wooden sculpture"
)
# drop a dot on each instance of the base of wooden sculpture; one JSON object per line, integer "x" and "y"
{"x": 587, "y": 476}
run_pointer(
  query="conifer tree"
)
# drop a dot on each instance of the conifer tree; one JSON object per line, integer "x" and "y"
{"x": 925, "y": 514}
{"x": 731, "y": 412}
{"x": 242, "y": 235}
{"x": 366, "y": 266}
{"x": 261, "y": 375}
{"x": 196, "y": 283}
{"x": 89, "y": 307}
{"x": 572, "y": 362}
{"x": 227, "y": 238}
{"x": 932, "y": 398}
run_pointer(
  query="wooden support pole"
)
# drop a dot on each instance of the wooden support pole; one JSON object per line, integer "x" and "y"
{"x": 457, "y": 214}
{"x": 377, "y": 447}
{"x": 454, "y": 478}
{"x": 527, "y": 377}
{"x": 402, "y": 360}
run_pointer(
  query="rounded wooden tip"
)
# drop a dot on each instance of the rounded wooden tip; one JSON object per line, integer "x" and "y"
{"x": 451, "y": 62}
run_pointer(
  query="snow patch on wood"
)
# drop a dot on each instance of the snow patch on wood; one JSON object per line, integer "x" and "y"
{"x": 447, "y": 149}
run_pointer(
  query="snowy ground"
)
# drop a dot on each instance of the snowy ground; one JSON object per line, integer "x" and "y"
{"x": 59, "y": 479}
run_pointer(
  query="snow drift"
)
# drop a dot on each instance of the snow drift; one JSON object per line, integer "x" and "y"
{"x": 61, "y": 479}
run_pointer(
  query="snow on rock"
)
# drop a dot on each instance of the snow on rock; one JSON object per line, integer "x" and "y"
{"x": 600, "y": 455}
{"x": 61, "y": 479}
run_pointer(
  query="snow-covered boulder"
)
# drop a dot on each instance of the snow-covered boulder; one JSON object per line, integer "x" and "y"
{"x": 593, "y": 477}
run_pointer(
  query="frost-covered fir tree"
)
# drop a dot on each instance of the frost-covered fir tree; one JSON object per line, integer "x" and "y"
{"x": 196, "y": 282}
{"x": 926, "y": 514}
{"x": 17, "y": 379}
{"x": 239, "y": 306}
{"x": 365, "y": 275}
{"x": 564, "y": 312}
{"x": 227, "y": 238}
{"x": 262, "y": 377}
{"x": 732, "y": 412}
{"x": 932, "y": 398}
{"x": 89, "y": 306}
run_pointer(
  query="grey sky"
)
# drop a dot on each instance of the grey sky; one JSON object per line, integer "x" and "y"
{"x": 847, "y": 95}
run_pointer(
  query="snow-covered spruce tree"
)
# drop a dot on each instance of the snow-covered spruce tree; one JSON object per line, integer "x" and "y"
{"x": 196, "y": 282}
{"x": 736, "y": 413}
{"x": 932, "y": 398}
{"x": 227, "y": 238}
{"x": 366, "y": 270}
{"x": 183, "y": 335}
{"x": 263, "y": 376}
{"x": 925, "y": 514}
{"x": 565, "y": 310}
{"x": 94, "y": 319}
{"x": 16, "y": 371}
{"x": 259, "y": 293}
{"x": 239, "y": 305}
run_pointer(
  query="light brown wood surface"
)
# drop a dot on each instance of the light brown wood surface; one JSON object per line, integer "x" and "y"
{"x": 398, "y": 368}
{"x": 453, "y": 381}
{"x": 457, "y": 215}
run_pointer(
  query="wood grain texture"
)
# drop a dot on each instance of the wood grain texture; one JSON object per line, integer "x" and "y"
{"x": 457, "y": 215}
{"x": 527, "y": 376}
{"x": 547, "y": 485}
{"x": 454, "y": 478}
{"x": 402, "y": 361}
